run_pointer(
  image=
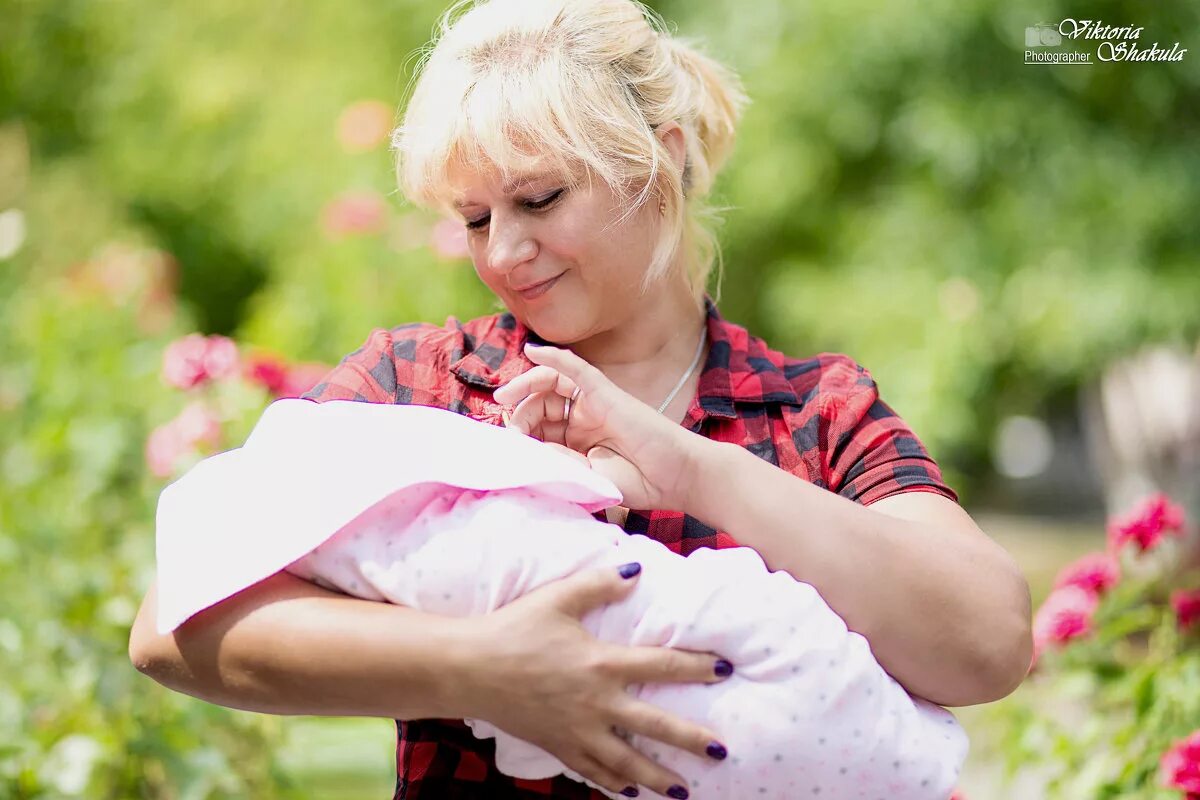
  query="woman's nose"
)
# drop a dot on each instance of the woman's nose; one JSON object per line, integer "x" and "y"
{"x": 509, "y": 245}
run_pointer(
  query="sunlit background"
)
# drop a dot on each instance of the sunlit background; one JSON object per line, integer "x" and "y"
{"x": 1013, "y": 251}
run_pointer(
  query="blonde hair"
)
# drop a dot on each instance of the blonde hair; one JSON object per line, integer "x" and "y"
{"x": 576, "y": 87}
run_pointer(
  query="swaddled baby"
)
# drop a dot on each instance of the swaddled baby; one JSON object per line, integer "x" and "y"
{"x": 808, "y": 711}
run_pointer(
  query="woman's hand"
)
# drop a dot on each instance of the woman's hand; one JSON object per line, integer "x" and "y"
{"x": 537, "y": 674}
{"x": 648, "y": 457}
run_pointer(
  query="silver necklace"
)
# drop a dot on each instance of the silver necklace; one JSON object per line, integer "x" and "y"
{"x": 695, "y": 362}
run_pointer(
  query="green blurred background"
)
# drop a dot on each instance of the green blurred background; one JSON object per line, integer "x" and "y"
{"x": 990, "y": 239}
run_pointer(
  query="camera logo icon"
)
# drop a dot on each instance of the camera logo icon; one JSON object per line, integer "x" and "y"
{"x": 1042, "y": 35}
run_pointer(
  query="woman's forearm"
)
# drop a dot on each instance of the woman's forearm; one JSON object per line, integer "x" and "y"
{"x": 286, "y": 646}
{"x": 945, "y": 610}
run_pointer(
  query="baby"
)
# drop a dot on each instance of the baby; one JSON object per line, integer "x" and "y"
{"x": 808, "y": 711}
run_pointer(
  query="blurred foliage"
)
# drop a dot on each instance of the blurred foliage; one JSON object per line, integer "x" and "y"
{"x": 80, "y": 350}
{"x": 1113, "y": 688}
{"x": 982, "y": 235}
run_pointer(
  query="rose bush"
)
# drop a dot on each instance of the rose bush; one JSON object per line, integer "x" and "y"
{"x": 1111, "y": 708}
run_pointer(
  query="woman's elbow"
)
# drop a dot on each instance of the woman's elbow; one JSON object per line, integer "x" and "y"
{"x": 151, "y": 653}
{"x": 1005, "y": 646}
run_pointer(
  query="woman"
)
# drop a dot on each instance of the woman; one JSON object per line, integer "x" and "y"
{"x": 577, "y": 143}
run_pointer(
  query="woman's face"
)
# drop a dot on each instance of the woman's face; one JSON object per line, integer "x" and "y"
{"x": 560, "y": 259}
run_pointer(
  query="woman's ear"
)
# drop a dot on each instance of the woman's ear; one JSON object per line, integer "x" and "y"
{"x": 671, "y": 135}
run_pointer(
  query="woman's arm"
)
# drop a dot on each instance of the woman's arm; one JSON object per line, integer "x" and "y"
{"x": 945, "y": 608}
{"x": 286, "y": 646}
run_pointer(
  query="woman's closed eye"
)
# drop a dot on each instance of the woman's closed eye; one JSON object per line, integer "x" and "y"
{"x": 534, "y": 204}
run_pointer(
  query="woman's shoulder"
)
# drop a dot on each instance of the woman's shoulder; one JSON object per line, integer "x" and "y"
{"x": 828, "y": 374}
{"x": 409, "y": 363}
{"x": 810, "y": 377}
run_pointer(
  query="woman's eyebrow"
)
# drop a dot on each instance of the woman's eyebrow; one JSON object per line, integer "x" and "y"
{"x": 512, "y": 186}
{"x": 521, "y": 181}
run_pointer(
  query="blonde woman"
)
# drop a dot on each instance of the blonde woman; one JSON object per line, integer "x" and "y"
{"x": 577, "y": 142}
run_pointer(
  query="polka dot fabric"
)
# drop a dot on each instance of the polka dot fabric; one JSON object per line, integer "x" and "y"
{"x": 807, "y": 713}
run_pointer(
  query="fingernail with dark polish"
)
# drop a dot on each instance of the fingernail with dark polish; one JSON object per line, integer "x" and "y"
{"x": 716, "y": 750}
{"x": 678, "y": 792}
{"x": 629, "y": 570}
{"x": 723, "y": 668}
{"x": 629, "y": 791}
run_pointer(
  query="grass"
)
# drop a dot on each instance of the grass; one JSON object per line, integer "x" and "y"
{"x": 337, "y": 758}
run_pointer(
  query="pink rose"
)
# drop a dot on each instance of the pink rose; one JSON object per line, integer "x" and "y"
{"x": 355, "y": 213}
{"x": 196, "y": 426}
{"x": 364, "y": 125}
{"x": 220, "y": 357}
{"x": 194, "y": 359}
{"x": 1094, "y": 572}
{"x": 164, "y": 448}
{"x": 183, "y": 361}
{"x": 1146, "y": 526}
{"x": 1186, "y": 604}
{"x": 1180, "y": 765}
{"x": 268, "y": 371}
{"x": 1066, "y": 615}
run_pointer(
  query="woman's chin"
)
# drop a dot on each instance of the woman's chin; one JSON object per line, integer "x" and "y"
{"x": 560, "y": 321}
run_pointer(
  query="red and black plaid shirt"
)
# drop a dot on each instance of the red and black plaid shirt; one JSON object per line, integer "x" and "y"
{"x": 819, "y": 418}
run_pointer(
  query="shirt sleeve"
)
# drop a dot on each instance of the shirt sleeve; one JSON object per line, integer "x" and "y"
{"x": 871, "y": 451}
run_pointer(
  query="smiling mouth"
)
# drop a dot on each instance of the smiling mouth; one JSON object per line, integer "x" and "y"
{"x": 539, "y": 289}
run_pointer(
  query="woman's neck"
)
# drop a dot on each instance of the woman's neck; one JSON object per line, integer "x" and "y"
{"x": 651, "y": 347}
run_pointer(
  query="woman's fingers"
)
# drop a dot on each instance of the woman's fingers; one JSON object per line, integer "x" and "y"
{"x": 537, "y": 409}
{"x": 536, "y": 380}
{"x": 652, "y": 722}
{"x": 596, "y": 772}
{"x": 620, "y": 758}
{"x": 668, "y": 665}
{"x": 578, "y": 594}
{"x": 541, "y": 415}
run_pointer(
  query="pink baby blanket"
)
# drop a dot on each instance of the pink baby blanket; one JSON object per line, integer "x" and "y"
{"x": 377, "y": 501}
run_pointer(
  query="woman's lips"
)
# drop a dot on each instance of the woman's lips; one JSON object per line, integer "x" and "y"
{"x": 539, "y": 289}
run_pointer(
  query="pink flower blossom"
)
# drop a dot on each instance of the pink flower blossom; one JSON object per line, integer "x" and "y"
{"x": 449, "y": 239}
{"x": 198, "y": 425}
{"x": 1146, "y": 526}
{"x": 1186, "y": 605}
{"x": 300, "y": 378}
{"x": 282, "y": 379}
{"x": 355, "y": 213}
{"x": 194, "y": 359}
{"x": 163, "y": 450}
{"x": 183, "y": 361}
{"x": 1180, "y": 765}
{"x": 220, "y": 357}
{"x": 364, "y": 125}
{"x": 195, "y": 427}
{"x": 268, "y": 371}
{"x": 1066, "y": 615}
{"x": 1094, "y": 572}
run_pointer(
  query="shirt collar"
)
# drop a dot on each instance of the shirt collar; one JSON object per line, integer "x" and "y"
{"x": 739, "y": 368}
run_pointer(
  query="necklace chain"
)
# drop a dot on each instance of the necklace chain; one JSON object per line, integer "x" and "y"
{"x": 695, "y": 362}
